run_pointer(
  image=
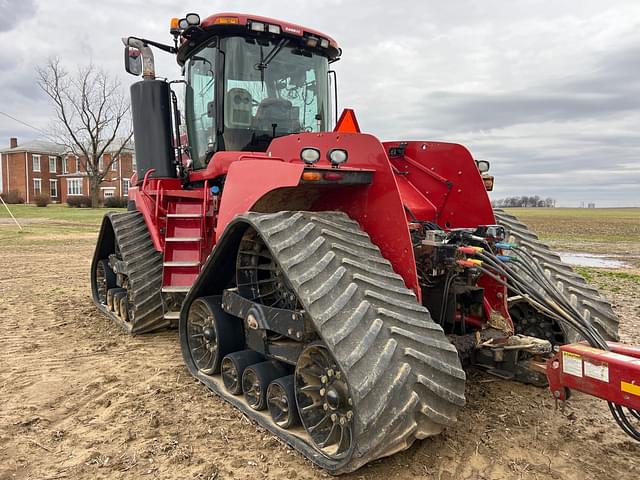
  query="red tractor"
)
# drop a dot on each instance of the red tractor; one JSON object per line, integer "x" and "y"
{"x": 328, "y": 285}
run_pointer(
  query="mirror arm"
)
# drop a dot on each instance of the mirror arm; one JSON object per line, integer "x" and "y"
{"x": 160, "y": 46}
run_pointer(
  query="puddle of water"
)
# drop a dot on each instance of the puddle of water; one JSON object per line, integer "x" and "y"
{"x": 591, "y": 260}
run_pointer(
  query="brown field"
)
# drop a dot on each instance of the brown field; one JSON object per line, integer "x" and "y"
{"x": 81, "y": 400}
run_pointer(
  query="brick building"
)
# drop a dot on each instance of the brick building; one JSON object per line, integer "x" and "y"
{"x": 41, "y": 167}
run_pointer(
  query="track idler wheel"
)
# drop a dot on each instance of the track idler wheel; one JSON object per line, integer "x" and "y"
{"x": 111, "y": 293}
{"x": 281, "y": 402}
{"x": 324, "y": 402}
{"x": 233, "y": 367}
{"x": 105, "y": 280}
{"x": 256, "y": 379}
{"x": 211, "y": 334}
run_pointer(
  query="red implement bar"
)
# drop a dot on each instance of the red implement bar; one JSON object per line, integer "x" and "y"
{"x": 612, "y": 376}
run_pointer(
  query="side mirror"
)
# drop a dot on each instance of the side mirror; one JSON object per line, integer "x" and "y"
{"x": 483, "y": 166}
{"x": 132, "y": 61}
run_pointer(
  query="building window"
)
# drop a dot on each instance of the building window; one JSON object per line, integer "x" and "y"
{"x": 133, "y": 163}
{"x": 125, "y": 187}
{"x": 53, "y": 188}
{"x": 52, "y": 164}
{"x": 65, "y": 168}
{"x": 74, "y": 186}
{"x": 35, "y": 160}
{"x": 77, "y": 165}
{"x": 108, "y": 193}
{"x": 37, "y": 186}
{"x": 101, "y": 164}
{"x": 114, "y": 166}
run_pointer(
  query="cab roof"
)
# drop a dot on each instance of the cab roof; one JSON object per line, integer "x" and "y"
{"x": 241, "y": 23}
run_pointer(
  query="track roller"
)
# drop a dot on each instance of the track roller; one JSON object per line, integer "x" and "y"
{"x": 281, "y": 402}
{"x": 117, "y": 300}
{"x": 256, "y": 379}
{"x": 124, "y": 308}
{"x": 111, "y": 293}
{"x": 233, "y": 366}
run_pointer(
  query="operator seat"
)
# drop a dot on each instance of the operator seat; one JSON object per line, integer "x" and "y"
{"x": 237, "y": 108}
{"x": 278, "y": 111}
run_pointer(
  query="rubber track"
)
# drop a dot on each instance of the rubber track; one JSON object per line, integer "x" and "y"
{"x": 144, "y": 271}
{"x": 405, "y": 376}
{"x": 585, "y": 297}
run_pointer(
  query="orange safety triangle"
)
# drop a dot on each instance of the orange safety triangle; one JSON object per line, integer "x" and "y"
{"x": 347, "y": 123}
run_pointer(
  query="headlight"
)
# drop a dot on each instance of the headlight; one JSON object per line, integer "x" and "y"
{"x": 337, "y": 156}
{"x": 258, "y": 26}
{"x": 192, "y": 18}
{"x": 310, "y": 155}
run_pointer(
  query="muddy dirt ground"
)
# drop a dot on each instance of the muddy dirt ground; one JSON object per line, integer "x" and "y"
{"x": 79, "y": 399}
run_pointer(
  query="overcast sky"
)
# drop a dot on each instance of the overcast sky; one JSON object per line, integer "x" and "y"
{"x": 549, "y": 92}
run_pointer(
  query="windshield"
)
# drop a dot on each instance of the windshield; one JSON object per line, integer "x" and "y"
{"x": 271, "y": 88}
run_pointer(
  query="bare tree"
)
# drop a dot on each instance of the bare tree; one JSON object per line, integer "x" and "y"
{"x": 92, "y": 117}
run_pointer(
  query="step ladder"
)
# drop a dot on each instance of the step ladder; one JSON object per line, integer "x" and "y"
{"x": 183, "y": 250}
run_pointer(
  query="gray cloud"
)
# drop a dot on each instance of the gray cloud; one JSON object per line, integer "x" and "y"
{"x": 13, "y": 12}
{"x": 551, "y": 98}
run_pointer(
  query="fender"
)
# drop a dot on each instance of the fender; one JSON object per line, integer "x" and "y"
{"x": 377, "y": 207}
{"x": 249, "y": 180}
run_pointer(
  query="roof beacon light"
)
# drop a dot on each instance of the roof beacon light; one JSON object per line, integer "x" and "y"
{"x": 310, "y": 155}
{"x": 275, "y": 29}
{"x": 337, "y": 156}
{"x": 174, "y": 26}
{"x": 258, "y": 26}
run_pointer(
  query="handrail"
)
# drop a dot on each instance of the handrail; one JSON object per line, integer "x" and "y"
{"x": 203, "y": 222}
{"x": 146, "y": 177}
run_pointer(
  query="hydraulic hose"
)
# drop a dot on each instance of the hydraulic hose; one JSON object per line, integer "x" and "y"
{"x": 556, "y": 306}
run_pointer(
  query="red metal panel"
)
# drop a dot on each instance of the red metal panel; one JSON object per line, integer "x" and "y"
{"x": 248, "y": 180}
{"x": 447, "y": 175}
{"x": 607, "y": 375}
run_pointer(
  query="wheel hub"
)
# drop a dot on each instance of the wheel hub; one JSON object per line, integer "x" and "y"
{"x": 209, "y": 334}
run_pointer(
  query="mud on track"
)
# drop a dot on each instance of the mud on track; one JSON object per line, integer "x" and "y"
{"x": 79, "y": 399}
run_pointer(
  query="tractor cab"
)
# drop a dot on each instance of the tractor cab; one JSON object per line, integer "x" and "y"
{"x": 248, "y": 81}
